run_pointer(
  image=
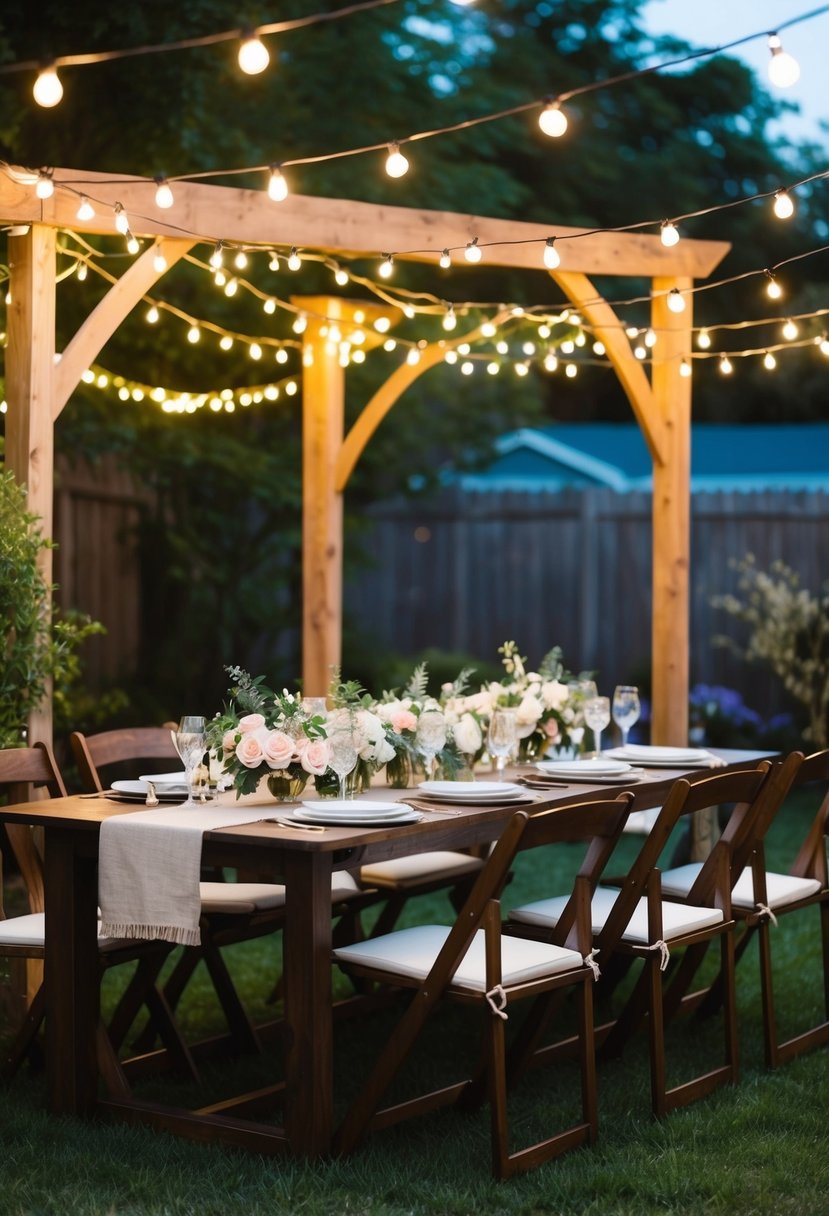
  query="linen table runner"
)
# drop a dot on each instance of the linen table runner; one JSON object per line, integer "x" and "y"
{"x": 149, "y": 865}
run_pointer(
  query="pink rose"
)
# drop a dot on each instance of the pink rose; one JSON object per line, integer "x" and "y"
{"x": 403, "y": 719}
{"x": 279, "y": 749}
{"x": 251, "y": 722}
{"x": 551, "y": 729}
{"x": 314, "y": 756}
{"x": 229, "y": 741}
{"x": 249, "y": 751}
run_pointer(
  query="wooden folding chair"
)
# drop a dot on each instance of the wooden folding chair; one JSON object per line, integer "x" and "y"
{"x": 635, "y": 921}
{"x": 95, "y": 755}
{"x": 472, "y": 963}
{"x": 25, "y": 770}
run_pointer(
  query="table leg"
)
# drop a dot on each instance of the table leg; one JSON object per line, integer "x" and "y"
{"x": 71, "y": 974}
{"x": 307, "y": 971}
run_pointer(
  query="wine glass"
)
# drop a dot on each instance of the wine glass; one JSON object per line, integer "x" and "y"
{"x": 430, "y": 736}
{"x": 626, "y": 708}
{"x": 502, "y": 736}
{"x": 316, "y": 707}
{"x": 342, "y": 755}
{"x": 597, "y": 716}
{"x": 191, "y": 744}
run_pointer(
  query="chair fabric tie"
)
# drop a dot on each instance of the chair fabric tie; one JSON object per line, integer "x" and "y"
{"x": 765, "y": 910}
{"x": 590, "y": 961}
{"x": 497, "y": 1000}
{"x": 665, "y": 954}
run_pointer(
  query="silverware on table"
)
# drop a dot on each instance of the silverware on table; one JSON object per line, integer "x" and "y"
{"x": 291, "y": 823}
{"x": 152, "y": 797}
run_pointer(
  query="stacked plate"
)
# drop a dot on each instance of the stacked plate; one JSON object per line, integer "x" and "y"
{"x": 169, "y": 787}
{"x": 665, "y": 757}
{"x": 355, "y": 812}
{"x": 476, "y": 793}
{"x": 597, "y": 770}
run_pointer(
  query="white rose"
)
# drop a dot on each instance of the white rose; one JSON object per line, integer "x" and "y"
{"x": 554, "y": 694}
{"x": 369, "y": 735}
{"x": 468, "y": 735}
{"x": 529, "y": 711}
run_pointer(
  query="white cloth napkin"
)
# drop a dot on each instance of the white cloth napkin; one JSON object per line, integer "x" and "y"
{"x": 149, "y": 864}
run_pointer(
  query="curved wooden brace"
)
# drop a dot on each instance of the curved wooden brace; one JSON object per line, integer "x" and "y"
{"x": 108, "y": 314}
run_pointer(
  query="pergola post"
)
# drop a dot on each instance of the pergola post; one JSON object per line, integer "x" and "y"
{"x": 30, "y": 359}
{"x": 671, "y": 515}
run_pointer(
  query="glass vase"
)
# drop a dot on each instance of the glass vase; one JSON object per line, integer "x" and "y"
{"x": 285, "y": 786}
{"x": 400, "y": 771}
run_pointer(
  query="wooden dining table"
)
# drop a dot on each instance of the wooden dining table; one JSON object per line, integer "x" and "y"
{"x": 303, "y": 861}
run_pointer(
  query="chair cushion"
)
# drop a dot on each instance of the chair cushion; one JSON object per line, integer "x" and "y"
{"x": 30, "y": 930}
{"x": 412, "y": 952}
{"x": 641, "y": 822}
{"x": 405, "y": 872}
{"x": 245, "y": 898}
{"x": 676, "y": 883}
{"x": 781, "y": 889}
{"x": 676, "y": 918}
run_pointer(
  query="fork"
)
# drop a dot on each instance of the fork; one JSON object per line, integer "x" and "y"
{"x": 152, "y": 796}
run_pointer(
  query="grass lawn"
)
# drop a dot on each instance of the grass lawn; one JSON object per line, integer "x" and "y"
{"x": 759, "y": 1149}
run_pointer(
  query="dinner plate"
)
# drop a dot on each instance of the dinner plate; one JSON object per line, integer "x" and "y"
{"x": 353, "y": 806}
{"x": 628, "y": 776}
{"x": 178, "y": 778}
{"x": 637, "y": 751}
{"x": 136, "y": 791}
{"x": 343, "y": 819}
{"x": 485, "y": 800}
{"x": 468, "y": 789}
{"x": 703, "y": 760}
{"x": 595, "y": 766}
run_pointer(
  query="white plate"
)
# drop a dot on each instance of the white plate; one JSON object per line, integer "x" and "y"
{"x": 635, "y": 751}
{"x": 179, "y": 778}
{"x": 469, "y": 789}
{"x": 353, "y": 806}
{"x": 137, "y": 790}
{"x": 707, "y": 761}
{"x": 483, "y": 800}
{"x": 595, "y": 766}
{"x": 403, "y": 815}
{"x": 630, "y": 775}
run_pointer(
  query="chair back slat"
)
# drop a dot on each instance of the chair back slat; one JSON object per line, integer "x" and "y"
{"x": 92, "y": 753}
{"x": 29, "y": 768}
{"x": 811, "y": 858}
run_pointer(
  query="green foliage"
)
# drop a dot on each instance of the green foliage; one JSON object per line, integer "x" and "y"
{"x": 33, "y": 650}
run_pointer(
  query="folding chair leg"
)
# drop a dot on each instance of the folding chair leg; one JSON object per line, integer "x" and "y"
{"x": 767, "y": 995}
{"x": 497, "y": 1092}
{"x": 25, "y": 1040}
{"x": 656, "y": 1038}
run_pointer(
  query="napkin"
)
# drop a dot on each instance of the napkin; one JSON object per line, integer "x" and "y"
{"x": 149, "y": 864}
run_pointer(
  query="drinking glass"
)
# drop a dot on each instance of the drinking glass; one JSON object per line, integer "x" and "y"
{"x": 191, "y": 744}
{"x": 626, "y": 708}
{"x": 502, "y": 737}
{"x": 597, "y": 716}
{"x": 317, "y": 707}
{"x": 430, "y": 736}
{"x": 342, "y": 755}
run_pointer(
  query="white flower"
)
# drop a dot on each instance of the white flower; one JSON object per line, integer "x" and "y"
{"x": 467, "y": 733}
{"x": 554, "y": 694}
{"x": 529, "y": 711}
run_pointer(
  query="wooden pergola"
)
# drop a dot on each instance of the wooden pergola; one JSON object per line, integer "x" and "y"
{"x": 38, "y": 387}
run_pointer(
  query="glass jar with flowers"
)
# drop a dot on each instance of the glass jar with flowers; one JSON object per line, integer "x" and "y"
{"x": 353, "y": 712}
{"x": 266, "y": 736}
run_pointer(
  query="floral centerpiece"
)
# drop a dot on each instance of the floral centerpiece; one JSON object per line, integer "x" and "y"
{"x": 353, "y": 710}
{"x": 266, "y": 735}
{"x": 401, "y": 714}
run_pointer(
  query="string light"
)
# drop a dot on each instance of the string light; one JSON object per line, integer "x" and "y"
{"x": 159, "y": 262}
{"x": 703, "y": 339}
{"x": 783, "y": 68}
{"x": 163, "y": 195}
{"x": 45, "y": 187}
{"x": 571, "y": 371}
{"x": 225, "y": 342}
{"x": 255, "y": 350}
{"x": 382, "y": 325}
{"x": 396, "y": 163}
{"x": 83, "y": 271}
{"x": 152, "y": 315}
{"x": 85, "y": 211}
{"x": 599, "y": 348}
{"x": 300, "y": 324}
{"x": 685, "y": 369}
{"x": 269, "y": 306}
{"x": 522, "y": 369}
{"x": 823, "y": 345}
{"x": 552, "y": 120}
{"x": 790, "y": 330}
{"x": 472, "y": 253}
{"x": 551, "y": 254}
{"x": 650, "y": 339}
{"x": 193, "y": 334}
{"x": 122, "y": 223}
{"x": 488, "y": 329}
{"x": 493, "y": 368}
{"x": 769, "y": 361}
{"x": 273, "y": 264}
{"x": 217, "y": 257}
{"x": 341, "y": 277}
{"x": 294, "y": 260}
{"x": 467, "y": 367}
{"x": 450, "y": 320}
{"x": 783, "y": 206}
{"x": 47, "y": 90}
{"x": 231, "y": 287}
{"x": 676, "y": 300}
{"x": 241, "y": 260}
{"x": 133, "y": 245}
{"x": 773, "y": 289}
{"x": 253, "y": 55}
{"x": 669, "y": 234}
{"x": 445, "y": 260}
{"x": 386, "y": 266}
{"x": 277, "y": 185}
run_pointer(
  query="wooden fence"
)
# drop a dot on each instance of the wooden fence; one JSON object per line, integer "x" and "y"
{"x": 468, "y": 570}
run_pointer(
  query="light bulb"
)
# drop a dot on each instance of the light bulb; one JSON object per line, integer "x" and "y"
{"x": 784, "y": 70}
{"x": 382, "y": 325}
{"x": 769, "y": 361}
{"x": 685, "y": 369}
{"x": 217, "y": 256}
{"x": 703, "y": 339}
{"x": 121, "y": 222}
{"x": 567, "y": 347}
{"x": 676, "y": 301}
{"x": 783, "y": 205}
{"x": 543, "y": 331}
{"x": 132, "y": 244}
{"x": 550, "y": 363}
{"x": 650, "y": 338}
{"x": 726, "y": 366}
{"x": 341, "y": 277}
{"x": 269, "y": 305}
{"x": 255, "y": 350}
{"x": 599, "y": 348}
{"x": 277, "y": 185}
{"x": 502, "y": 347}
{"x": 300, "y": 324}
{"x": 823, "y": 346}
{"x": 281, "y": 355}
{"x": 241, "y": 260}
{"x": 773, "y": 289}
{"x": 152, "y": 314}
{"x": 413, "y": 357}
{"x": 48, "y": 89}
{"x": 467, "y": 367}
{"x": 83, "y": 271}
{"x": 571, "y": 371}
{"x": 553, "y": 120}
{"x": 45, "y": 187}
{"x": 790, "y": 331}
{"x": 551, "y": 255}
{"x": 488, "y": 330}
{"x": 159, "y": 262}
{"x": 445, "y": 261}
{"x": 472, "y": 253}
{"x": 396, "y": 163}
{"x": 85, "y": 211}
{"x": 390, "y": 344}
{"x": 493, "y": 368}
{"x": 253, "y": 55}
{"x": 521, "y": 369}
{"x": 528, "y": 348}
{"x": 386, "y": 266}
{"x": 669, "y": 234}
{"x": 449, "y": 319}
{"x": 163, "y": 195}
{"x": 193, "y": 334}
{"x": 640, "y": 351}
{"x": 219, "y": 278}
{"x": 231, "y": 287}
{"x": 632, "y": 331}
{"x": 273, "y": 264}
{"x": 294, "y": 260}
{"x": 225, "y": 342}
